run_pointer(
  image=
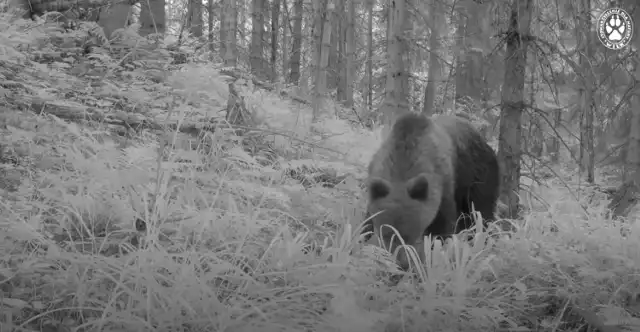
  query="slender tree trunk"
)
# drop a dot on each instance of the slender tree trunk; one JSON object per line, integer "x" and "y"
{"x": 241, "y": 9}
{"x": 351, "y": 51}
{"x": 633, "y": 150}
{"x": 626, "y": 196}
{"x": 435, "y": 68}
{"x": 587, "y": 105}
{"x": 337, "y": 60}
{"x": 369, "y": 94}
{"x": 396, "y": 98}
{"x": 224, "y": 17}
{"x": 509, "y": 149}
{"x": 257, "y": 32}
{"x": 275, "y": 27}
{"x": 194, "y": 18}
{"x": 296, "y": 54}
{"x": 285, "y": 40}
{"x": 318, "y": 7}
{"x": 230, "y": 28}
{"x": 461, "y": 53}
{"x": 320, "y": 103}
{"x": 335, "y": 56}
{"x": 557, "y": 121}
{"x": 210, "y": 13}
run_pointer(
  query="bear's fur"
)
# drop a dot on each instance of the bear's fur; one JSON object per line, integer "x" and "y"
{"x": 425, "y": 175}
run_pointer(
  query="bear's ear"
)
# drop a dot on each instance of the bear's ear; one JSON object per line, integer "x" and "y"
{"x": 418, "y": 188}
{"x": 378, "y": 188}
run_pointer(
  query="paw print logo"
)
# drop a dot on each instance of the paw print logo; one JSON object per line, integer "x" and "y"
{"x": 615, "y": 28}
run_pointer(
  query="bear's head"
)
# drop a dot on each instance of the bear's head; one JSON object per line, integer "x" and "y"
{"x": 408, "y": 206}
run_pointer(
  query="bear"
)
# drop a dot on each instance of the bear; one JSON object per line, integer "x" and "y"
{"x": 424, "y": 178}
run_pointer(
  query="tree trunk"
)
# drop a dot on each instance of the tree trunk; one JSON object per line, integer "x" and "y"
{"x": 285, "y": 40}
{"x": 320, "y": 88}
{"x": 297, "y": 43}
{"x": 194, "y": 18}
{"x": 587, "y": 105}
{"x": 369, "y": 92}
{"x": 460, "y": 53}
{"x": 316, "y": 46}
{"x": 396, "y": 98}
{"x": 229, "y": 45}
{"x": 633, "y": 154}
{"x": 257, "y": 32}
{"x": 626, "y": 196}
{"x": 335, "y": 52}
{"x": 224, "y": 18}
{"x": 509, "y": 152}
{"x": 435, "y": 68}
{"x": 555, "y": 141}
{"x": 210, "y": 13}
{"x": 338, "y": 66}
{"x": 535, "y": 135}
{"x": 275, "y": 27}
{"x": 351, "y": 51}
{"x": 307, "y": 66}
{"x": 241, "y": 9}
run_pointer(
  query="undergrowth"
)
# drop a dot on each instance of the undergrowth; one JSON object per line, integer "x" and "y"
{"x": 109, "y": 228}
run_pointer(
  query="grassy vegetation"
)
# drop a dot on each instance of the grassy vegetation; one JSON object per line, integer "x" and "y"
{"x": 233, "y": 243}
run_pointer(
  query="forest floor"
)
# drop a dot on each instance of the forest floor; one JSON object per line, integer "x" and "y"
{"x": 225, "y": 241}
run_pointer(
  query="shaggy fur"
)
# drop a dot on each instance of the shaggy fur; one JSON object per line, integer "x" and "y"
{"x": 425, "y": 176}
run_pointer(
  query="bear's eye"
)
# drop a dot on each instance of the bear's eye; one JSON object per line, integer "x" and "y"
{"x": 418, "y": 188}
{"x": 378, "y": 188}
